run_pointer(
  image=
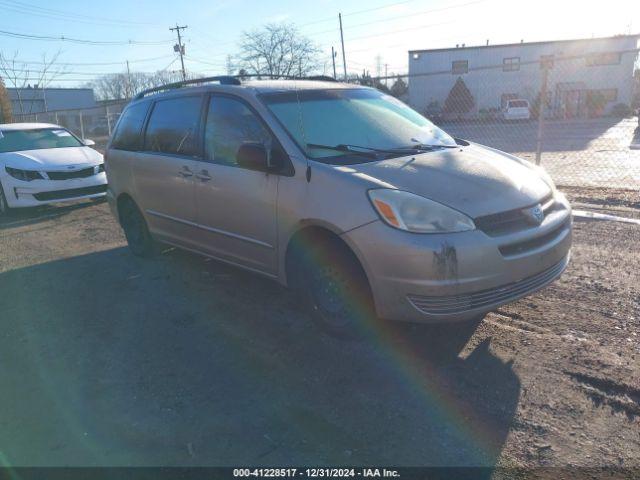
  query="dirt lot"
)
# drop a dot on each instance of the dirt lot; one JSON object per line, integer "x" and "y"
{"x": 107, "y": 359}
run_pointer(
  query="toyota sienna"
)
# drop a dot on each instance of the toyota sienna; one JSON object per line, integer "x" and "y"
{"x": 339, "y": 191}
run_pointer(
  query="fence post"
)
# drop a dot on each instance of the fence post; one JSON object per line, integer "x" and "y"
{"x": 541, "y": 106}
{"x": 108, "y": 121}
{"x": 81, "y": 126}
{"x": 35, "y": 116}
{"x": 57, "y": 121}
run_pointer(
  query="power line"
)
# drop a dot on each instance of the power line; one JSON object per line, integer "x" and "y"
{"x": 204, "y": 62}
{"x": 358, "y": 12}
{"x": 33, "y": 10}
{"x": 85, "y": 64}
{"x": 62, "y": 38}
{"x": 36, "y": 72}
{"x": 413, "y": 14}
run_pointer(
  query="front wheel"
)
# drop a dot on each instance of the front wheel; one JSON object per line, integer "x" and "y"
{"x": 337, "y": 291}
{"x": 136, "y": 230}
{"x": 4, "y": 207}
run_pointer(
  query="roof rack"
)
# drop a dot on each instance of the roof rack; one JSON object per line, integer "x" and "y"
{"x": 222, "y": 79}
{"x": 226, "y": 80}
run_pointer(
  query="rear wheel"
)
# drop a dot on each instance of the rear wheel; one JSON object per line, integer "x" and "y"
{"x": 336, "y": 289}
{"x": 136, "y": 230}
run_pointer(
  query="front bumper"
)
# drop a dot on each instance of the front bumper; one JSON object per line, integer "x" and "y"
{"x": 42, "y": 192}
{"x": 455, "y": 277}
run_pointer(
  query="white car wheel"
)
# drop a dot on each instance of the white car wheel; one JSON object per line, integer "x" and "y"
{"x": 4, "y": 208}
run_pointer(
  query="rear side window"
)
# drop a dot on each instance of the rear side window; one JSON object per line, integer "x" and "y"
{"x": 173, "y": 126}
{"x": 127, "y": 136}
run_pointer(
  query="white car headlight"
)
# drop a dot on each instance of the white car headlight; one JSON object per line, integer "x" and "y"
{"x": 417, "y": 214}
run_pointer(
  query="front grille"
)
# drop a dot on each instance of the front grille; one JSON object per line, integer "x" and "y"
{"x": 71, "y": 193}
{"x": 532, "y": 243}
{"x": 511, "y": 220}
{"x": 84, "y": 173}
{"x": 485, "y": 298}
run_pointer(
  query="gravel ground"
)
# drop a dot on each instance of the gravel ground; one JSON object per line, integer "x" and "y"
{"x": 107, "y": 359}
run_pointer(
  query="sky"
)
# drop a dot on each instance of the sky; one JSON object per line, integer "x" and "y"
{"x": 377, "y": 33}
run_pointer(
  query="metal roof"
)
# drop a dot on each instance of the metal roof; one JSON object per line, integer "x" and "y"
{"x": 525, "y": 44}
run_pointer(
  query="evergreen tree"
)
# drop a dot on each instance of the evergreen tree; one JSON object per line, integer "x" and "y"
{"x": 459, "y": 101}
{"x": 399, "y": 88}
{"x": 5, "y": 104}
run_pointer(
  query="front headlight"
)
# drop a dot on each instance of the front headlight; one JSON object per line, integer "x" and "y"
{"x": 24, "y": 175}
{"x": 417, "y": 214}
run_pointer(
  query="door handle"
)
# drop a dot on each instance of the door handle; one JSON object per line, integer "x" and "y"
{"x": 204, "y": 176}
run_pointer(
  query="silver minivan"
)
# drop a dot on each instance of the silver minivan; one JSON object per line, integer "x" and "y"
{"x": 339, "y": 191}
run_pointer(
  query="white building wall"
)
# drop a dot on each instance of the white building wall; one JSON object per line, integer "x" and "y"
{"x": 487, "y": 85}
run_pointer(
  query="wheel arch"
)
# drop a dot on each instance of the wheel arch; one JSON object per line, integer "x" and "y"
{"x": 307, "y": 233}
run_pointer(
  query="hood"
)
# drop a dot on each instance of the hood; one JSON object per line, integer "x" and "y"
{"x": 474, "y": 180}
{"x": 52, "y": 158}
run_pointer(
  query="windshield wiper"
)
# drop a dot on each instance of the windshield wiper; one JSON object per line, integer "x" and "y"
{"x": 368, "y": 151}
{"x": 341, "y": 147}
{"x": 428, "y": 147}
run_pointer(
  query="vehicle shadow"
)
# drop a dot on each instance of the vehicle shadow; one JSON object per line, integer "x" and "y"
{"x": 20, "y": 217}
{"x": 114, "y": 360}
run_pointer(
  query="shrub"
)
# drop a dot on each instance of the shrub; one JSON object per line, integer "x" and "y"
{"x": 621, "y": 110}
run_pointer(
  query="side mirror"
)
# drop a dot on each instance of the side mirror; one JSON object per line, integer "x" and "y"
{"x": 88, "y": 142}
{"x": 253, "y": 156}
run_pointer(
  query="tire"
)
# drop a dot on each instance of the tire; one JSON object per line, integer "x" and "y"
{"x": 4, "y": 207}
{"x": 136, "y": 230}
{"x": 336, "y": 290}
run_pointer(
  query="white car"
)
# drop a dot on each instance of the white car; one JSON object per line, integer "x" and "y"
{"x": 42, "y": 163}
{"x": 517, "y": 110}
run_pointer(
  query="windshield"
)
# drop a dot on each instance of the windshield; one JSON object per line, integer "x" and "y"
{"x": 518, "y": 104}
{"x": 36, "y": 139}
{"x": 364, "y": 118}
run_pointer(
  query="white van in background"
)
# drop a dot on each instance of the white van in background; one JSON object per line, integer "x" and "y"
{"x": 517, "y": 109}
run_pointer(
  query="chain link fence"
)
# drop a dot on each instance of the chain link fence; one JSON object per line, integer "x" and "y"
{"x": 95, "y": 123}
{"x": 586, "y": 132}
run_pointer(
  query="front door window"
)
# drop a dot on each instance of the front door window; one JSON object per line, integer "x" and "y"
{"x": 230, "y": 123}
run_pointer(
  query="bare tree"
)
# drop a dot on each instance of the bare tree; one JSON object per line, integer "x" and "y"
{"x": 117, "y": 86}
{"x": 20, "y": 76}
{"x": 277, "y": 50}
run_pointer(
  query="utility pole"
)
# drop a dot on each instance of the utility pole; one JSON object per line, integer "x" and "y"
{"x": 333, "y": 58}
{"x": 179, "y": 47}
{"x": 128, "y": 92}
{"x": 344, "y": 59}
{"x": 386, "y": 74}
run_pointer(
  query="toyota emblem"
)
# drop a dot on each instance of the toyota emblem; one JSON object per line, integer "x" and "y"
{"x": 534, "y": 215}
